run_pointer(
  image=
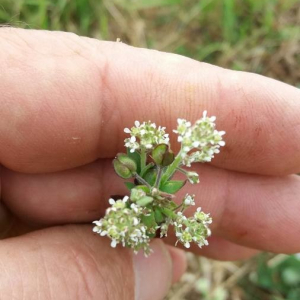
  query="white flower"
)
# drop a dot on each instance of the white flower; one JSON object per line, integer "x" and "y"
{"x": 202, "y": 136}
{"x": 134, "y": 207}
{"x": 187, "y": 245}
{"x": 111, "y": 201}
{"x": 113, "y": 243}
{"x": 127, "y": 130}
{"x": 189, "y": 200}
{"x": 123, "y": 225}
{"x": 193, "y": 177}
{"x": 146, "y": 136}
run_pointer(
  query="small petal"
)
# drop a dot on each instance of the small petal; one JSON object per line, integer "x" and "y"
{"x": 111, "y": 201}
{"x": 113, "y": 243}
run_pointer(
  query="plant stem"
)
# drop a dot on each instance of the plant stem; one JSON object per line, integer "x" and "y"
{"x": 183, "y": 171}
{"x": 143, "y": 159}
{"x": 158, "y": 177}
{"x": 142, "y": 180}
{"x": 171, "y": 168}
{"x": 178, "y": 207}
{"x": 150, "y": 165}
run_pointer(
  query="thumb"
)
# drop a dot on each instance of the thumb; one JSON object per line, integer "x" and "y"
{"x": 70, "y": 262}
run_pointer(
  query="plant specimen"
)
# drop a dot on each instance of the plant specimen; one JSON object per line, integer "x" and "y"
{"x": 149, "y": 209}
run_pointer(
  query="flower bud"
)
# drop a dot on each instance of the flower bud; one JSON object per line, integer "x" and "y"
{"x": 162, "y": 155}
{"x": 124, "y": 166}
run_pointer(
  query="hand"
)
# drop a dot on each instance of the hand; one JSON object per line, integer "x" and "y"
{"x": 65, "y": 102}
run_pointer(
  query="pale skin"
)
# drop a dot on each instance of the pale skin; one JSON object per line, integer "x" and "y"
{"x": 65, "y": 101}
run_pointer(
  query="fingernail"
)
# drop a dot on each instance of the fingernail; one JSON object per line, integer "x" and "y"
{"x": 155, "y": 274}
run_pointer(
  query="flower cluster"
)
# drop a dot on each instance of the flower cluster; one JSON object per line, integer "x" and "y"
{"x": 202, "y": 136}
{"x": 150, "y": 165}
{"x": 194, "y": 229}
{"x": 122, "y": 224}
{"x": 146, "y": 136}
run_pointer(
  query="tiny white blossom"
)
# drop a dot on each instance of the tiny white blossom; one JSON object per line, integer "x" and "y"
{"x": 113, "y": 243}
{"x": 189, "y": 200}
{"x": 111, "y": 201}
{"x": 127, "y": 130}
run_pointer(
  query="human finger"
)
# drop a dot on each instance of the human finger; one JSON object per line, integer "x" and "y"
{"x": 71, "y": 263}
{"x": 246, "y": 209}
{"x": 65, "y": 101}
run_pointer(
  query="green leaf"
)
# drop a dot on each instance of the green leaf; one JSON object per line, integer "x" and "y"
{"x": 150, "y": 176}
{"x": 159, "y": 217}
{"x": 129, "y": 185}
{"x": 149, "y": 220}
{"x": 172, "y": 186}
{"x": 137, "y": 158}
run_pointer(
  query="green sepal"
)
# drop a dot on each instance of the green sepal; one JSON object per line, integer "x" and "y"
{"x": 168, "y": 212}
{"x": 172, "y": 186}
{"x": 137, "y": 158}
{"x": 172, "y": 205}
{"x": 150, "y": 176}
{"x": 144, "y": 201}
{"x": 159, "y": 217}
{"x": 129, "y": 185}
{"x": 149, "y": 220}
{"x": 143, "y": 187}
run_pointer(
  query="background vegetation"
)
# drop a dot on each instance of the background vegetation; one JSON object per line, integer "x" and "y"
{"x": 249, "y": 35}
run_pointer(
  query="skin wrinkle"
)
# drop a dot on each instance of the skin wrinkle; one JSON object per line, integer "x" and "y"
{"x": 106, "y": 281}
{"x": 5, "y": 271}
{"x": 43, "y": 264}
{"x": 87, "y": 290}
{"x": 94, "y": 263}
{"x": 98, "y": 269}
{"x": 20, "y": 264}
{"x": 226, "y": 198}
